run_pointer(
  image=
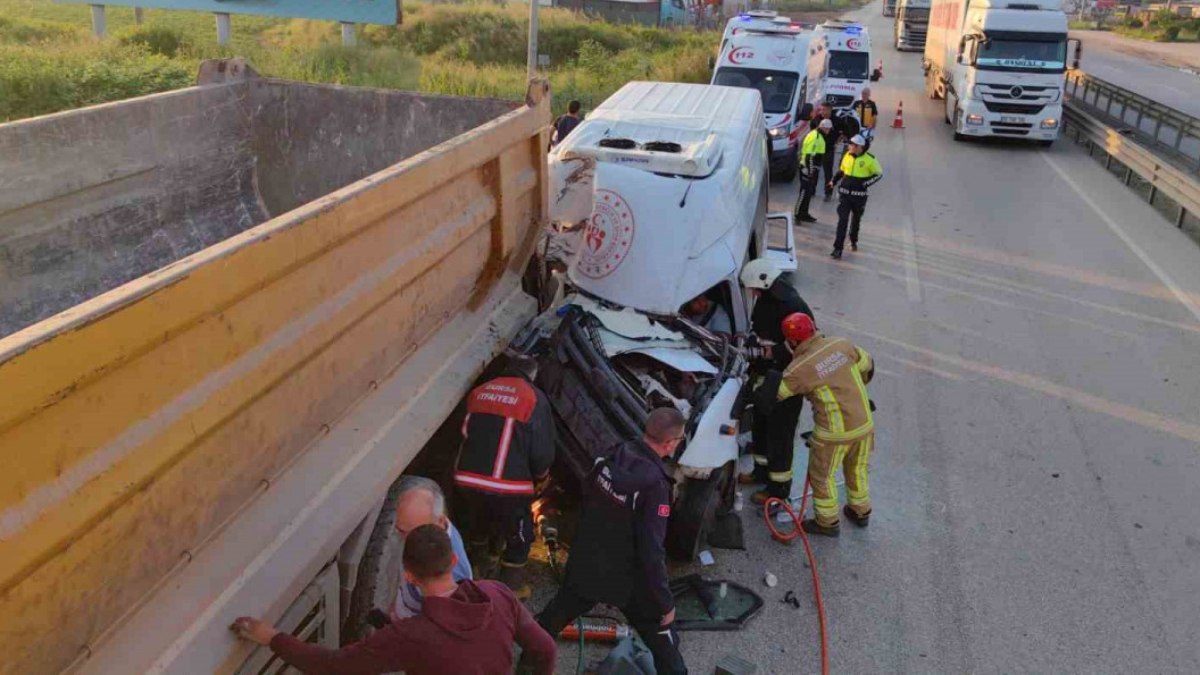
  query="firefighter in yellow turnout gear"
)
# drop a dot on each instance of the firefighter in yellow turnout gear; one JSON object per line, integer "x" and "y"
{"x": 832, "y": 373}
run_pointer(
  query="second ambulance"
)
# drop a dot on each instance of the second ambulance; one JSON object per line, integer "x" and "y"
{"x": 771, "y": 57}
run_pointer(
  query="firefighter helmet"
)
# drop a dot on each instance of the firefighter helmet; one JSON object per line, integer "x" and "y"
{"x": 798, "y": 327}
{"x": 760, "y": 273}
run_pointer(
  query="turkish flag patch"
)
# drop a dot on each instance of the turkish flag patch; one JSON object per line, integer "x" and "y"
{"x": 664, "y": 510}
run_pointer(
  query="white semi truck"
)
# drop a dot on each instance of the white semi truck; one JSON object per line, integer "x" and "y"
{"x": 999, "y": 65}
{"x": 912, "y": 24}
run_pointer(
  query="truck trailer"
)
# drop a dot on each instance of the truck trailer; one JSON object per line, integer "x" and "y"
{"x": 999, "y": 65}
{"x": 234, "y": 313}
{"x": 912, "y": 25}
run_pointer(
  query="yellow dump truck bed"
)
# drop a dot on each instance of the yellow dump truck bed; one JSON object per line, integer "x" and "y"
{"x": 196, "y": 442}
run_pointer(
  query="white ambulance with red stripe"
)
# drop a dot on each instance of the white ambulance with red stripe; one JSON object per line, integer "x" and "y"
{"x": 770, "y": 56}
{"x": 840, "y": 64}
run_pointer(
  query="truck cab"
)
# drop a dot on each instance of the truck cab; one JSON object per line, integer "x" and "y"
{"x": 839, "y": 64}
{"x": 999, "y": 66}
{"x": 659, "y": 197}
{"x": 771, "y": 58}
{"x": 912, "y": 24}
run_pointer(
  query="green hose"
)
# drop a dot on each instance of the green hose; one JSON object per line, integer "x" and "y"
{"x": 579, "y": 663}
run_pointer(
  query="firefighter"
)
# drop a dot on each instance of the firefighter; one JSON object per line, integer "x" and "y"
{"x": 618, "y": 557}
{"x": 812, "y": 155}
{"x": 833, "y": 374}
{"x": 508, "y": 446}
{"x": 859, "y": 171}
{"x": 774, "y": 430}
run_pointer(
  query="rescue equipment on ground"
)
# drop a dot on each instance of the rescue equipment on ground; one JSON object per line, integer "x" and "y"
{"x": 596, "y": 629}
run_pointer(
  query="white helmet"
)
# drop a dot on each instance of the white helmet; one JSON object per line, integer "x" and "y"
{"x": 858, "y": 140}
{"x": 760, "y": 273}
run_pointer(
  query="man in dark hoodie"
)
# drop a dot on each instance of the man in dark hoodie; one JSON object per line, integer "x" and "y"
{"x": 774, "y": 431}
{"x": 465, "y": 628}
{"x": 617, "y": 557}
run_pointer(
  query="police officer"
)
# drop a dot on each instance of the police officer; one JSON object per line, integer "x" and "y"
{"x": 833, "y": 374}
{"x": 859, "y": 171}
{"x": 832, "y": 134}
{"x": 812, "y": 154}
{"x": 774, "y": 432}
{"x": 618, "y": 557}
{"x": 508, "y": 445}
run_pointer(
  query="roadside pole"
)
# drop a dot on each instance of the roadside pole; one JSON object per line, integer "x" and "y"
{"x": 531, "y": 55}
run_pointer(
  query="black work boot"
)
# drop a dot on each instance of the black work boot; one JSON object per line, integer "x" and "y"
{"x": 806, "y": 218}
{"x": 811, "y": 526}
{"x": 861, "y": 521}
{"x": 854, "y": 246}
{"x": 513, "y": 576}
{"x": 837, "y": 254}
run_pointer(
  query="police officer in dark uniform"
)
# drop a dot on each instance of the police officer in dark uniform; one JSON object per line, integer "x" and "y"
{"x": 508, "y": 446}
{"x": 832, "y": 134}
{"x": 618, "y": 557}
{"x": 774, "y": 432}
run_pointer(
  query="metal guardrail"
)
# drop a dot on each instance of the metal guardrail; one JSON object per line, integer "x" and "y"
{"x": 1164, "y": 178}
{"x": 1173, "y": 133}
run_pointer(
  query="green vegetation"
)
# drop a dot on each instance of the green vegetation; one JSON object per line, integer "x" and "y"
{"x": 49, "y": 60}
{"x": 795, "y": 8}
{"x": 1163, "y": 26}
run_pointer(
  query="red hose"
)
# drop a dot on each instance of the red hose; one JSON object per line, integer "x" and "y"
{"x": 785, "y": 537}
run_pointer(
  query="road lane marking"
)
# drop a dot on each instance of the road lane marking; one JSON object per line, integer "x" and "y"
{"x": 1057, "y": 316}
{"x": 1179, "y": 428}
{"x": 951, "y": 252}
{"x": 1116, "y": 228}
{"x": 908, "y": 234}
{"x": 922, "y": 367}
{"x": 911, "y": 281}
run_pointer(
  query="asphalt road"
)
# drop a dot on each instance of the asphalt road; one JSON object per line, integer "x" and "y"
{"x": 1038, "y": 455}
{"x": 1167, "y": 73}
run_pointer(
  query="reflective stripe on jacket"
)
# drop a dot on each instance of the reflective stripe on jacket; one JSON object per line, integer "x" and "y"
{"x": 508, "y": 437}
{"x": 812, "y": 149}
{"x": 867, "y": 112}
{"x": 856, "y": 174}
{"x": 832, "y": 374}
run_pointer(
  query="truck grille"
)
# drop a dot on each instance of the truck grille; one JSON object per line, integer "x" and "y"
{"x": 839, "y": 100}
{"x": 1014, "y": 108}
{"x": 1011, "y": 128}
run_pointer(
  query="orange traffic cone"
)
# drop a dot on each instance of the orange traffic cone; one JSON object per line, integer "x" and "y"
{"x": 898, "y": 123}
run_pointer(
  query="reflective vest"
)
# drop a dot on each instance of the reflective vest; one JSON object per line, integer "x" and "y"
{"x": 812, "y": 148}
{"x": 832, "y": 374}
{"x": 867, "y": 112}
{"x": 858, "y": 174}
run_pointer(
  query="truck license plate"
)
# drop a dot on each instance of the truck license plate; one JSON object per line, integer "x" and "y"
{"x": 1012, "y": 120}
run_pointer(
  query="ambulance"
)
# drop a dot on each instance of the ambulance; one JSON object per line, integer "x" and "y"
{"x": 771, "y": 57}
{"x": 746, "y": 20}
{"x": 839, "y": 66}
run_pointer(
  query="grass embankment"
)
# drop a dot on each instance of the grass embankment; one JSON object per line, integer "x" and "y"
{"x": 49, "y": 60}
{"x": 1162, "y": 26}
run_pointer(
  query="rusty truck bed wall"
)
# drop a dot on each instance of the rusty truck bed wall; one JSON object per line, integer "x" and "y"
{"x": 200, "y": 440}
{"x": 93, "y": 198}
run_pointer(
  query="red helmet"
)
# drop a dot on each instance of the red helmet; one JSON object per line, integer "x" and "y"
{"x": 798, "y": 327}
